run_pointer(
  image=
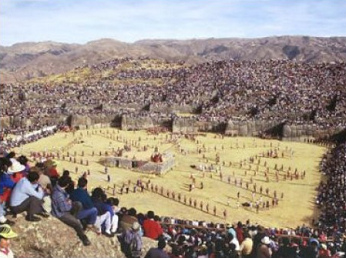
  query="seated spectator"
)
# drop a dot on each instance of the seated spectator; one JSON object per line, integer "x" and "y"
{"x": 285, "y": 250}
{"x": 99, "y": 198}
{"x": 6, "y": 184}
{"x": 65, "y": 210}
{"x": 46, "y": 185}
{"x": 311, "y": 250}
{"x": 113, "y": 204}
{"x": 157, "y": 252}
{"x": 202, "y": 251}
{"x": 71, "y": 185}
{"x": 151, "y": 228}
{"x": 127, "y": 219}
{"x": 27, "y": 196}
{"x": 52, "y": 172}
{"x": 131, "y": 241}
{"x": 239, "y": 232}
{"x": 234, "y": 240}
{"x": 11, "y": 155}
{"x": 15, "y": 171}
{"x": 263, "y": 250}
{"x": 43, "y": 180}
{"x": 246, "y": 246}
{"x": 24, "y": 161}
{"x": 6, "y": 233}
{"x": 88, "y": 213}
{"x": 232, "y": 253}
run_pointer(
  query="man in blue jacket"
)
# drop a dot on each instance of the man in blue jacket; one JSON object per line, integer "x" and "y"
{"x": 88, "y": 211}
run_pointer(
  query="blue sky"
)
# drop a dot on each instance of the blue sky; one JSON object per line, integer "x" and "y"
{"x": 80, "y": 21}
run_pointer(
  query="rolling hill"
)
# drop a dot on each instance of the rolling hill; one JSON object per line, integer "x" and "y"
{"x": 27, "y": 60}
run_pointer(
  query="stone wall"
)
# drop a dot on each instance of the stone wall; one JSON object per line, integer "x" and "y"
{"x": 142, "y": 123}
{"x": 307, "y": 131}
{"x": 5, "y": 122}
{"x": 211, "y": 126}
{"x": 140, "y": 165}
{"x": 271, "y": 128}
{"x": 185, "y": 125}
{"x": 88, "y": 120}
{"x": 13, "y": 122}
{"x": 165, "y": 108}
{"x": 250, "y": 128}
{"x": 157, "y": 168}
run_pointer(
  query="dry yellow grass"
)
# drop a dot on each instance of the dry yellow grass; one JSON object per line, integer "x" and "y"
{"x": 297, "y": 206}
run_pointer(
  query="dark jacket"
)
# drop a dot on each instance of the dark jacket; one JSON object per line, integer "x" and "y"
{"x": 81, "y": 195}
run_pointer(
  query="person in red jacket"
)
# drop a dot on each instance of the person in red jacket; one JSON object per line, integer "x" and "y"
{"x": 239, "y": 232}
{"x": 152, "y": 228}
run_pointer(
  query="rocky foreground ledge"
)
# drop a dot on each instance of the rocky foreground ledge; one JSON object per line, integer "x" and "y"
{"x": 51, "y": 238}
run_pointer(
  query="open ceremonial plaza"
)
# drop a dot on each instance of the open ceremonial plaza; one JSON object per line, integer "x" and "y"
{"x": 214, "y": 177}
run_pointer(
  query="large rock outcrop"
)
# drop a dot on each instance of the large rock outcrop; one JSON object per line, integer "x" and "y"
{"x": 51, "y": 238}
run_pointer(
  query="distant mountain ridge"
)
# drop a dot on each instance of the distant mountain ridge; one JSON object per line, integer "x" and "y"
{"x": 27, "y": 60}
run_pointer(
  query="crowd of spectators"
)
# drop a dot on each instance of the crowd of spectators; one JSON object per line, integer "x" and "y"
{"x": 71, "y": 203}
{"x": 217, "y": 91}
{"x": 332, "y": 193}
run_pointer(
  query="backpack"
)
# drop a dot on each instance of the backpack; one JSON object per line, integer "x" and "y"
{"x": 129, "y": 244}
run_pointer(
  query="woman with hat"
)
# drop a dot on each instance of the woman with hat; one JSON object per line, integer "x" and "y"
{"x": 6, "y": 233}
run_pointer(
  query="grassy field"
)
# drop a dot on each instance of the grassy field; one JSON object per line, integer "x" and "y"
{"x": 295, "y": 208}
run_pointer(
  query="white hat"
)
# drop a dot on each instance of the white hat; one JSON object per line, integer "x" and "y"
{"x": 265, "y": 240}
{"x": 16, "y": 167}
{"x": 136, "y": 226}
